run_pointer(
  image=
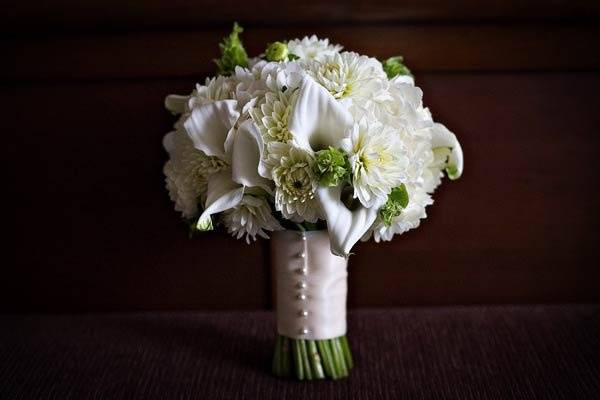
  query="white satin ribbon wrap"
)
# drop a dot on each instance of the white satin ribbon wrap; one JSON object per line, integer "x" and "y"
{"x": 311, "y": 285}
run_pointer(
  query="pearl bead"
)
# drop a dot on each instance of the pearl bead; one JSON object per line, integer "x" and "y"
{"x": 303, "y": 271}
{"x": 302, "y": 285}
{"x": 304, "y": 313}
{"x": 304, "y": 331}
{"x": 302, "y": 255}
{"x": 301, "y": 296}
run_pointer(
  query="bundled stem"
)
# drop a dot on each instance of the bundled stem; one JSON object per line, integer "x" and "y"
{"x": 312, "y": 359}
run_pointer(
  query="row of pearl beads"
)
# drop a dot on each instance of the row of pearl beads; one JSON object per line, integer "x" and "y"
{"x": 302, "y": 285}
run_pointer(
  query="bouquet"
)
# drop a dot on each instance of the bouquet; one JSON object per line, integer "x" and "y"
{"x": 320, "y": 148}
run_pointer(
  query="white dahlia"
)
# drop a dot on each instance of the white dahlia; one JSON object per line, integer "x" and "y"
{"x": 309, "y": 48}
{"x": 291, "y": 169}
{"x": 214, "y": 89}
{"x": 272, "y": 115}
{"x": 187, "y": 172}
{"x": 279, "y": 77}
{"x": 348, "y": 75}
{"x": 378, "y": 160}
{"x": 401, "y": 106}
{"x": 252, "y": 216}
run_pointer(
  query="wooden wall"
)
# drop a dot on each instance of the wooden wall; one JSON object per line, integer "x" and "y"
{"x": 90, "y": 226}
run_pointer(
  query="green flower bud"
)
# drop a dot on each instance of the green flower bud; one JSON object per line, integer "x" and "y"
{"x": 393, "y": 67}
{"x": 205, "y": 224}
{"x": 442, "y": 160}
{"x": 396, "y": 202}
{"x": 452, "y": 172}
{"x": 277, "y": 51}
{"x": 232, "y": 52}
{"x": 331, "y": 167}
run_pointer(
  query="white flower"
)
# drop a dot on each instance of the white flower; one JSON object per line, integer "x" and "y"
{"x": 282, "y": 76}
{"x": 292, "y": 171}
{"x": 214, "y": 89}
{"x": 348, "y": 75}
{"x": 400, "y": 105}
{"x": 312, "y": 47}
{"x": 252, "y": 216}
{"x": 410, "y": 218}
{"x": 443, "y": 138}
{"x": 317, "y": 122}
{"x": 213, "y": 130}
{"x": 249, "y": 84}
{"x": 378, "y": 161}
{"x": 272, "y": 115}
{"x": 187, "y": 172}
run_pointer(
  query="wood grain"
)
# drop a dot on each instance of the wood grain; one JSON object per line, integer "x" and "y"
{"x": 44, "y": 16}
{"x": 91, "y": 227}
{"x": 546, "y": 47}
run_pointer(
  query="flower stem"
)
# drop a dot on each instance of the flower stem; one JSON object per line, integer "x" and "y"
{"x": 346, "y": 351}
{"x": 312, "y": 359}
{"x": 315, "y": 359}
{"x": 297, "y": 360}
{"x": 339, "y": 357}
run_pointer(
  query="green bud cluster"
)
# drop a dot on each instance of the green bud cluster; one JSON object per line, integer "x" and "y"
{"x": 452, "y": 172}
{"x": 277, "y": 51}
{"x": 232, "y": 52}
{"x": 331, "y": 167}
{"x": 396, "y": 202}
{"x": 394, "y": 66}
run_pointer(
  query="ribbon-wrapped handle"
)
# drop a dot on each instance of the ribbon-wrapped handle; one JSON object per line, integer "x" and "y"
{"x": 311, "y": 285}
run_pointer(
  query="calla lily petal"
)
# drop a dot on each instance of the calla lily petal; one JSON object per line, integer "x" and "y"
{"x": 442, "y": 137}
{"x": 318, "y": 119}
{"x": 345, "y": 227}
{"x": 246, "y": 155}
{"x": 209, "y": 125}
{"x": 177, "y": 104}
{"x": 222, "y": 194}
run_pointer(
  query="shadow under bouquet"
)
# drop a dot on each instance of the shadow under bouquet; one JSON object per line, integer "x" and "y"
{"x": 319, "y": 148}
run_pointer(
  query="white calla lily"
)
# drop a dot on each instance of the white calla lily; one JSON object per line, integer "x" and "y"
{"x": 442, "y": 137}
{"x": 345, "y": 227}
{"x": 319, "y": 121}
{"x": 177, "y": 104}
{"x": 212, "y": 129}
{"x": 222, "y": 194}
{"x": 209, "y": 126}
{"x": 246, "y": 154}
{"x": 225, "y": 190}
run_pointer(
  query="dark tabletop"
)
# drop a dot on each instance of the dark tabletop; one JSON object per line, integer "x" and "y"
{"x": 500, "y": 352}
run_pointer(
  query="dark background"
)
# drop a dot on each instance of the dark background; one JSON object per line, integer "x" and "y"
{"x": 88, "y": 225}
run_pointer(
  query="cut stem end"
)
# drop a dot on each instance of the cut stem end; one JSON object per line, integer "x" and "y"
{"x": 304, "y": 359}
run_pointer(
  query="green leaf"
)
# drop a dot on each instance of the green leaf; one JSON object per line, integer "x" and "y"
{"x": 394, "y": 66}
{"x": 232, "y": 52}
